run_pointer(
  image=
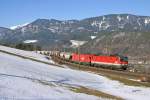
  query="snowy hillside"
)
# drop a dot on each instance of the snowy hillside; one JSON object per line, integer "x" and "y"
{"x": 28, "y": 54}
{"x": 20, "y": 80}
{"x": 26, "y": 79}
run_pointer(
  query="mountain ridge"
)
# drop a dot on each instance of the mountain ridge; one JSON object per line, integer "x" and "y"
{"x": 52, "y": 33}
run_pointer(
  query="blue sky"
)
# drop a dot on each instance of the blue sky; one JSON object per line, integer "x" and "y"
{"x": 14, "y": 12}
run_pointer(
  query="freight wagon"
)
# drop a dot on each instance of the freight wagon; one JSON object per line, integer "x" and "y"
{"x": 81, "y": 58}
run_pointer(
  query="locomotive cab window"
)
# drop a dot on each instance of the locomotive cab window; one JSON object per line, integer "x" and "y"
{"x": 124, "y": 58}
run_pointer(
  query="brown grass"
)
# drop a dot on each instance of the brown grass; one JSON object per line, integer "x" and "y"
{"x": 95, "y": 93}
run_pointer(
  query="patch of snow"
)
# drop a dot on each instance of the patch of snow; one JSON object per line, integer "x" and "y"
{"x": 18, "y": 26}
{"x": 106, "y": 26}
{"x": 76, "y": 43}
{"x": 147, "y": 21}
{"x": 119, "y": 18}
{"x": 52, "y": 30}
{"x": 100, "y": 25}
{"x": 94, "y": 23}
{"x": 127, "y": 17}
{"x": 30, "y": 41}
{"x": 93, "y": 37}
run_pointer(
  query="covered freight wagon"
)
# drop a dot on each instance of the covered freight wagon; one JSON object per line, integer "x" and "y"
{"x": 66, "y": 55}
{"x": 82, "y": 58}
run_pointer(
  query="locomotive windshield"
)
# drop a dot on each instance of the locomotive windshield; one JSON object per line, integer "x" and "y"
{"x": 123, "y": 58}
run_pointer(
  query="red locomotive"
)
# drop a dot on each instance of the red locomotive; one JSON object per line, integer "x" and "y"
{"x": 111, "y": 62}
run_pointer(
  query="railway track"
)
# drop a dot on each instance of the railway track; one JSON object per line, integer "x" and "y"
{"x": 141, "y": 79}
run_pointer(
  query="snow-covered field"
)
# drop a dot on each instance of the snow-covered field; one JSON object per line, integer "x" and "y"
{"x": 28, "y": 54}
{"x": 23, "y": 78}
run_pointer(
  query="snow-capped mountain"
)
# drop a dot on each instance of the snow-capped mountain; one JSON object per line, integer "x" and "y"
{"x": 18, "y": 26}
{"x": 51, "y": 33}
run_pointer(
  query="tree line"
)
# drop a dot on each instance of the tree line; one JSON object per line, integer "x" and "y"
{"x": 29, "y": 47}
{"x": 23, "y": 46}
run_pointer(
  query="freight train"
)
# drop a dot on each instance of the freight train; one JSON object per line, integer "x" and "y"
{"x": 105, "y": 61}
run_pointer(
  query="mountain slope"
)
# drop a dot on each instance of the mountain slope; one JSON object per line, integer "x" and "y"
{"x": 49, "y": 30}
{"x": 131, "y": 44}
{"x": 5, "y": 34}
{"x": 121, "y": 28}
